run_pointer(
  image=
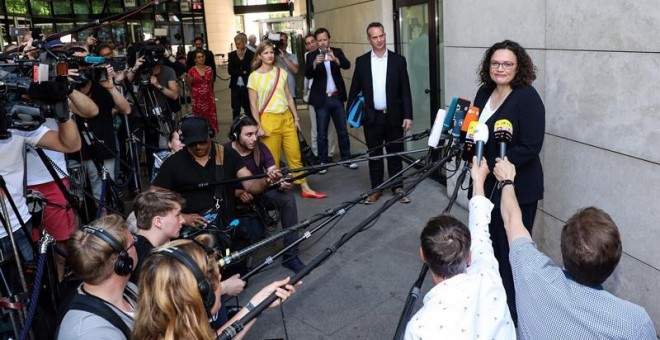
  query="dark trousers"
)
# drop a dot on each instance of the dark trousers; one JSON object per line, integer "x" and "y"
{"x": 376, "y": 135}
{"x": 239, "y": 99}
{"x": 332, "y": 109}
{"x": 501, "y": 250}
{"x": 285, "y": 203}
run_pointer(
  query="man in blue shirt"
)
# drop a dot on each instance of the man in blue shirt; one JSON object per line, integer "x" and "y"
{"x": 568, "y": 304}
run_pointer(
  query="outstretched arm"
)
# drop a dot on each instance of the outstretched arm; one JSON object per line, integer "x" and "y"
{"x": 511, "y": 214}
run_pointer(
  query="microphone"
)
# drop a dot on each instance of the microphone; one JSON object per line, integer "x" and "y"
{"x": 503, "y": 134}
{"x": 436, "y": 130}
{"x": 472, "y": 115}
{"x": 457, "y": 104}
{"x": 468, "y": 147}
{"x": 459, "y": 116}
{"x": 480, "y": 138}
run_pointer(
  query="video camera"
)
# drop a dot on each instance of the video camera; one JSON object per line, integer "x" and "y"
{"x": 154, "y": 54}
{"x": 274, "y": 39}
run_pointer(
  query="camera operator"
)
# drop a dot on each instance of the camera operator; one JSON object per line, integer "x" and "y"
{"x": 157, "y": 98}
{"x": 99, "y": 147}
{"x": 287, "y": 61}
{"x": 65, "y": 139}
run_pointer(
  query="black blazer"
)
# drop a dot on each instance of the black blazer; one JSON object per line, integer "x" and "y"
{"x": 397, "y": 89}
{"x": 524, "y": 109}
{"x": 239, "y": 68}
{"x": 317, "y": 94}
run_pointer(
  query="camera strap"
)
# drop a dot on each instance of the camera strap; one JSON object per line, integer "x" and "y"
{"x": 272, "y": 92}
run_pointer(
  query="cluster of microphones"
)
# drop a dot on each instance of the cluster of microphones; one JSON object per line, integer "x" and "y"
{"x": 460, "y": 129}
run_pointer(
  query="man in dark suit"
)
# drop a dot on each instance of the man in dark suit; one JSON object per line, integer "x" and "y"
{"x": 328, "y": 94}
{"x": 382, "y": 77}
{"x": 198, "y": 44}
{"x": 239, "y": 68}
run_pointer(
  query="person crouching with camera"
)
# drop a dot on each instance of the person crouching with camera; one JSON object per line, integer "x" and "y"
{"x": 98, "y": 153}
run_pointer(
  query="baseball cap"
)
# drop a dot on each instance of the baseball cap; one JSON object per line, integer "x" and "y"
{"x": 194, "y": 130}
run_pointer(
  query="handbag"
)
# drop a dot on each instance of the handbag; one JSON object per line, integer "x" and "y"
{"x": 308, "y": 156}
{"x": 355, "y": 111}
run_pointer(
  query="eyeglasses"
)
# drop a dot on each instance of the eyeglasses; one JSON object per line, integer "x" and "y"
{"x": 134, "y": 242}
{"x": 505, "y": 65}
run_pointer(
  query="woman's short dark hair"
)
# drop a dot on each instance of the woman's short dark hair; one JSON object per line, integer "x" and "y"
{"x": 526, "y": 71}
{"x": 446, "y": 244}
{"x": 590, "y": 246}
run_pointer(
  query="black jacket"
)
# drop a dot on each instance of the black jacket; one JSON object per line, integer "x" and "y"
{"x": 239, "y": 68}
{"x": 524, "y": 109}
{"x": 317, "y": 94}
{"x": 397, "y": 88}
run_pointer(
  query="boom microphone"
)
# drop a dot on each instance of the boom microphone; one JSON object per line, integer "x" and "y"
{"x": 503, "y": 134}
{"x": 436, "y": 130}
{"x": 480, "y": 138}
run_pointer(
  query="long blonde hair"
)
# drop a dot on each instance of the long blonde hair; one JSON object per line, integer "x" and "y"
{"x": 256, "y": 62}
{"x": 170, "y": 305}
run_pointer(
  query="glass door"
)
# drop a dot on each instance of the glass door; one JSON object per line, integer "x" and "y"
{"x": 416, "y": 30}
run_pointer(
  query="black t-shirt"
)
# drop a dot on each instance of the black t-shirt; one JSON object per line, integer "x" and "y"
{"x": 181, "y": 173}
{"x": 102, "y": 142}
{"x": 143, "y": 248}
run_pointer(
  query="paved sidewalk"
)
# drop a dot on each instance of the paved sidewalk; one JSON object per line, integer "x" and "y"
{"x": 359, "y": 292}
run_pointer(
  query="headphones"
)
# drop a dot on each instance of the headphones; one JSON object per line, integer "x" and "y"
{"x": 193, "y": 116}
{"x": 237, "y": 125}
{"x": 204, "y": 286}
{"x": 124, "y": 264}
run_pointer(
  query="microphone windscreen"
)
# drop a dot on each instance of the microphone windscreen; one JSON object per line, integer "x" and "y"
{"x": 481, "y": 133}
{"x": 436, "y": 130}
{"x": 472, "y": 115}
{"x": 458, "y": 123}
{"x": 446, "y": 125}
{"x": 503, "y": 131}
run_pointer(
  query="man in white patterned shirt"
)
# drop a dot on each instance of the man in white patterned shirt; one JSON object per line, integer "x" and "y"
{"x": 468, "y": 300}
{"x": 571, "y": 303}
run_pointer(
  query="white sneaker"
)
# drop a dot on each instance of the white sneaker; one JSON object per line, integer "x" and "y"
{"x": 352, "y": 166}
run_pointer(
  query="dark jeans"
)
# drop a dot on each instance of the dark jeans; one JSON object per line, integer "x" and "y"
{"x": 332, "y": 109}
{"x": 501, "y": 250}
{"x": 239, "y": 99}
{"x": 376, "y": 135}
{"x": 285, "y": 203}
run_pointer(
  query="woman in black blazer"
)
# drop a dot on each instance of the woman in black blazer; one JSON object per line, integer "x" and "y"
{"x": 506, "y": 75}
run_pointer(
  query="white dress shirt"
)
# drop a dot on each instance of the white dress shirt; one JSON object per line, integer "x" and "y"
{"x": 379, "y": 78}
{"x": 471, "y": 305}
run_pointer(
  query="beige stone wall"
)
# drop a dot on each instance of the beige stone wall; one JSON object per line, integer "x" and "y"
{"x": 599, "y": 66}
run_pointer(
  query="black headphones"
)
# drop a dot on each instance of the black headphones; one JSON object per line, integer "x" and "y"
{"x": 124, "y": 264}
{"x": 237, "y": 125}
{"x": 193, "y": 116}
{"x": 204, "y": 286}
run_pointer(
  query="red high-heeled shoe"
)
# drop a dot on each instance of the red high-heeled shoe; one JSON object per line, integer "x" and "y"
{"x": 316, "y": 195}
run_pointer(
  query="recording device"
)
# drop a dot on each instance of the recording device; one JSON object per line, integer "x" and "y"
{"x": 154, "y": 54}
{"x": 436, "y": 130}
{"x": 480, "y": 138}
{"x": 503, "y": 134}
{"x": 274, "y": 39}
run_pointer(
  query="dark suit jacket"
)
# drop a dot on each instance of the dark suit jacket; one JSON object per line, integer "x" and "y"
{"x": 524, "y": 109}
{"x": 397, "y": 88}
{"x": 317, "y": 94}
{"x": 239, "y": 68}
{"x": 209, "y": 61}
